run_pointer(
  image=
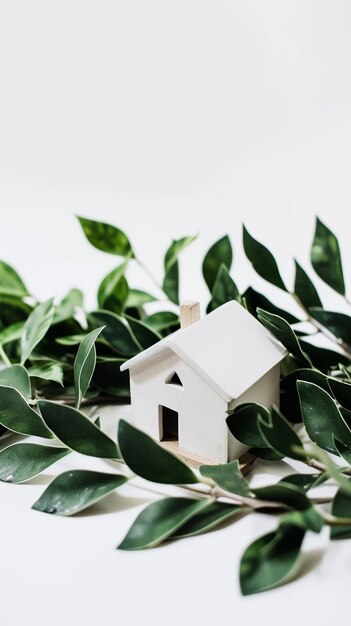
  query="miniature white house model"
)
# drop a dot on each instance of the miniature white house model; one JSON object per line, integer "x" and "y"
{"x": 183, "y": 386}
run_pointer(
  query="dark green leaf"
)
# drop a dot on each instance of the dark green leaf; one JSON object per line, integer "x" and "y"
{"x": 266, "y": 454}
{"x": 305, "y": 481}
{"x": 308, "y": 519}
{"x": 242, "y": 423}
{"x": 340, "y": 390}
{"x": 36, "y": 327}
{"x": 284, "y": 493}
{"x": 284, "y": 333}
{"x": 213, "y": 515}
{"x": 162, "y": 320}
{"x": 160, "y": 520}
{"x": 76, "y": 431}
{"x": 220, "y": 253}
{"x": 322, "y": 358}
{"x": 106, "y": 237}
{"x": 23, "y": 461}
{"x": 16, "y": 376}
{"x": 228, "y": 477}
{"x": 11, "y": 333}
{"x": 322, "y": 419}
{"x": 279, "y": 435}
{"x": 304, "y": 288}
{"x": 137, "y": 298}
{"x": 145, "y": 335}
{"x": 224, "y": 289}
{"x": 113, "y": 290}
{"x": 262, "y": 260}
{"x": 338, "y": 324}
{"x": 149, "y": 460}
{"x": 75, "y": 490}
{"x": 109, "y": 378}
{"x": 341, "y": 508}
{"x": 117, "y": 333}
{"x": 271, "y": 560}
{"x": 10, "y": 282}
{"x": 326, "y": 258}
{"x": 289, "y": 397}
{"x": 48, "y": 370}
{"x": 16, "y": 415}
{"x": 255, "y": 300}
{"x": 84, "y": 364}
{"x": 171, "y": 279}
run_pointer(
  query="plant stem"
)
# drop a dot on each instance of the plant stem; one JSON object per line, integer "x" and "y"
{"x": 4, "y": 356}
{"x": 331, "y": 520}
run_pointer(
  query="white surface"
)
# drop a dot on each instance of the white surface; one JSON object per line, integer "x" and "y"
{"x": 167, "y": 119}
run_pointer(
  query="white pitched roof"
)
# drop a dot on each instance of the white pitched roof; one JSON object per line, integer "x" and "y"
{"x": 227, "y": 348}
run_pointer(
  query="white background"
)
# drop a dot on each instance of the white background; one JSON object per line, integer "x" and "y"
{"x": 165, "y": 118}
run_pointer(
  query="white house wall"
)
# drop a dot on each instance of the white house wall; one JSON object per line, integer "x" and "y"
{"x": 202, "y": 428}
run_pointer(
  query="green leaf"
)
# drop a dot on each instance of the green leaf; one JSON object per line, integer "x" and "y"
{"x": 84, "y": 364}
{"x": 322, "y": 419}
{"x": 213, "y": 515}
{"x": 340, "y": 390}
{"x": 10, "y": 282}
{"x": 224, "y": 290}
{"x": 338, "y": 324}
{"x": 113, "y": 290}
{"x": 305, "y": 481}
{"x": 171, "y": 279}
{"x": 284, "y": 493}
{"x": 159, "y": 521}
{"x": 309, "y": 519}
{"x": 11, "y": 333}
{"x": 70, "y": 340}
{"x": 322, "y": 358}
{"x": 284, "y": 333}
{"x": 137, "y": 298}
{"x": 16, "y": 415}
{"x": 48, "y": 370}
{"x": 228, "y": 477}
{"x": 304, "y": 288}
{"x": 68, "y": 306}
{"x": 262, "y": 260}
{"x": 341, "y": 507}
{"x": 36, "y": 327}
{"x": 255, "y": 300}
{"x": 326, "y": 258}
{"x": 242, "y": 423}
{"x": 109, "y": 378}
{"x": 23, "y": 461}
{"x": 76, "y": 431}
{"x": 271, "y": 560}
{"x": 289, "y": 397}
{"x": 162, "y": 320}
{"x": 117, "y": 333}
{"x": 149, "y": 460}
{"x": 16, "y": 376}
{"x": 76, "y": 490}
{"x": 279, "y": 434}
{"x": 220, "y": 253}
{"x": 106, "y": 237}
{"x": 145, "y": 335}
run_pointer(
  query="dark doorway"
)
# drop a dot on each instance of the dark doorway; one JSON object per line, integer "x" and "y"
{"x": 168, "y": 424}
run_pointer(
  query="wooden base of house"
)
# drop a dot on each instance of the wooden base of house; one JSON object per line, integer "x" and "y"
{"x": 247, "y": 461}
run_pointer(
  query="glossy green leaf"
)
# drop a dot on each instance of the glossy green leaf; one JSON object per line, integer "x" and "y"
{"x": 323, "y": 358}
{"x": 304, "y": 288}
{"x": 224, "y": 290}
{"x": 117, "y": 333}
{"x": 221, "y": 253}
{"x": 70, "y": 340}
{"x": 227, "y": 476}
{"x": 271, "y": 560}
{"x": 11, "y": 333}
{"x": 137, "y": 298}
{"x": 338, "y": 324}
{"x": 113, "y": 290}
{"x": 255, "y": 300}
{"x": 326, "y": 258}
{"x": 242, "y": 423}
{"x": 213, "y": 515}
{"x": 287, "y": 494}
{"x": 149, "y": 460}
{"x": 289, "y": 397}
{"x": 76, "y": 431}
{"x": 10, "y": 282}
{"x": 106, "y": 237}
{"x": 16, "y": 376}
{"x": 305, "y": 481}
{"x": 340, "y": 390}
{"x": 16, "y": 415}
{"x": 145, "y": 335}
{"x": 160, "y": 520}
{"x": 109, "y": 378}
{"x": 76, "y": 490}
{"x": 68, "y": 306}
{"x": 308, "y": 519}
{"x": 36, "y": 327}
{"x": 48, "y": 370}
{"x": 262, "y": 260}
{"x": 171, "y": 278}
{"x": 23, "y": 461}
{"x": 84, "y": 364}
{"x": 341, "y": 508}
{"x": 322, "y": 419}
{"x": 343, "y": 451}
{"x": 162, "y": 320}
{"x": 279, "y": 435}
{"x": 284, "y": 333}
